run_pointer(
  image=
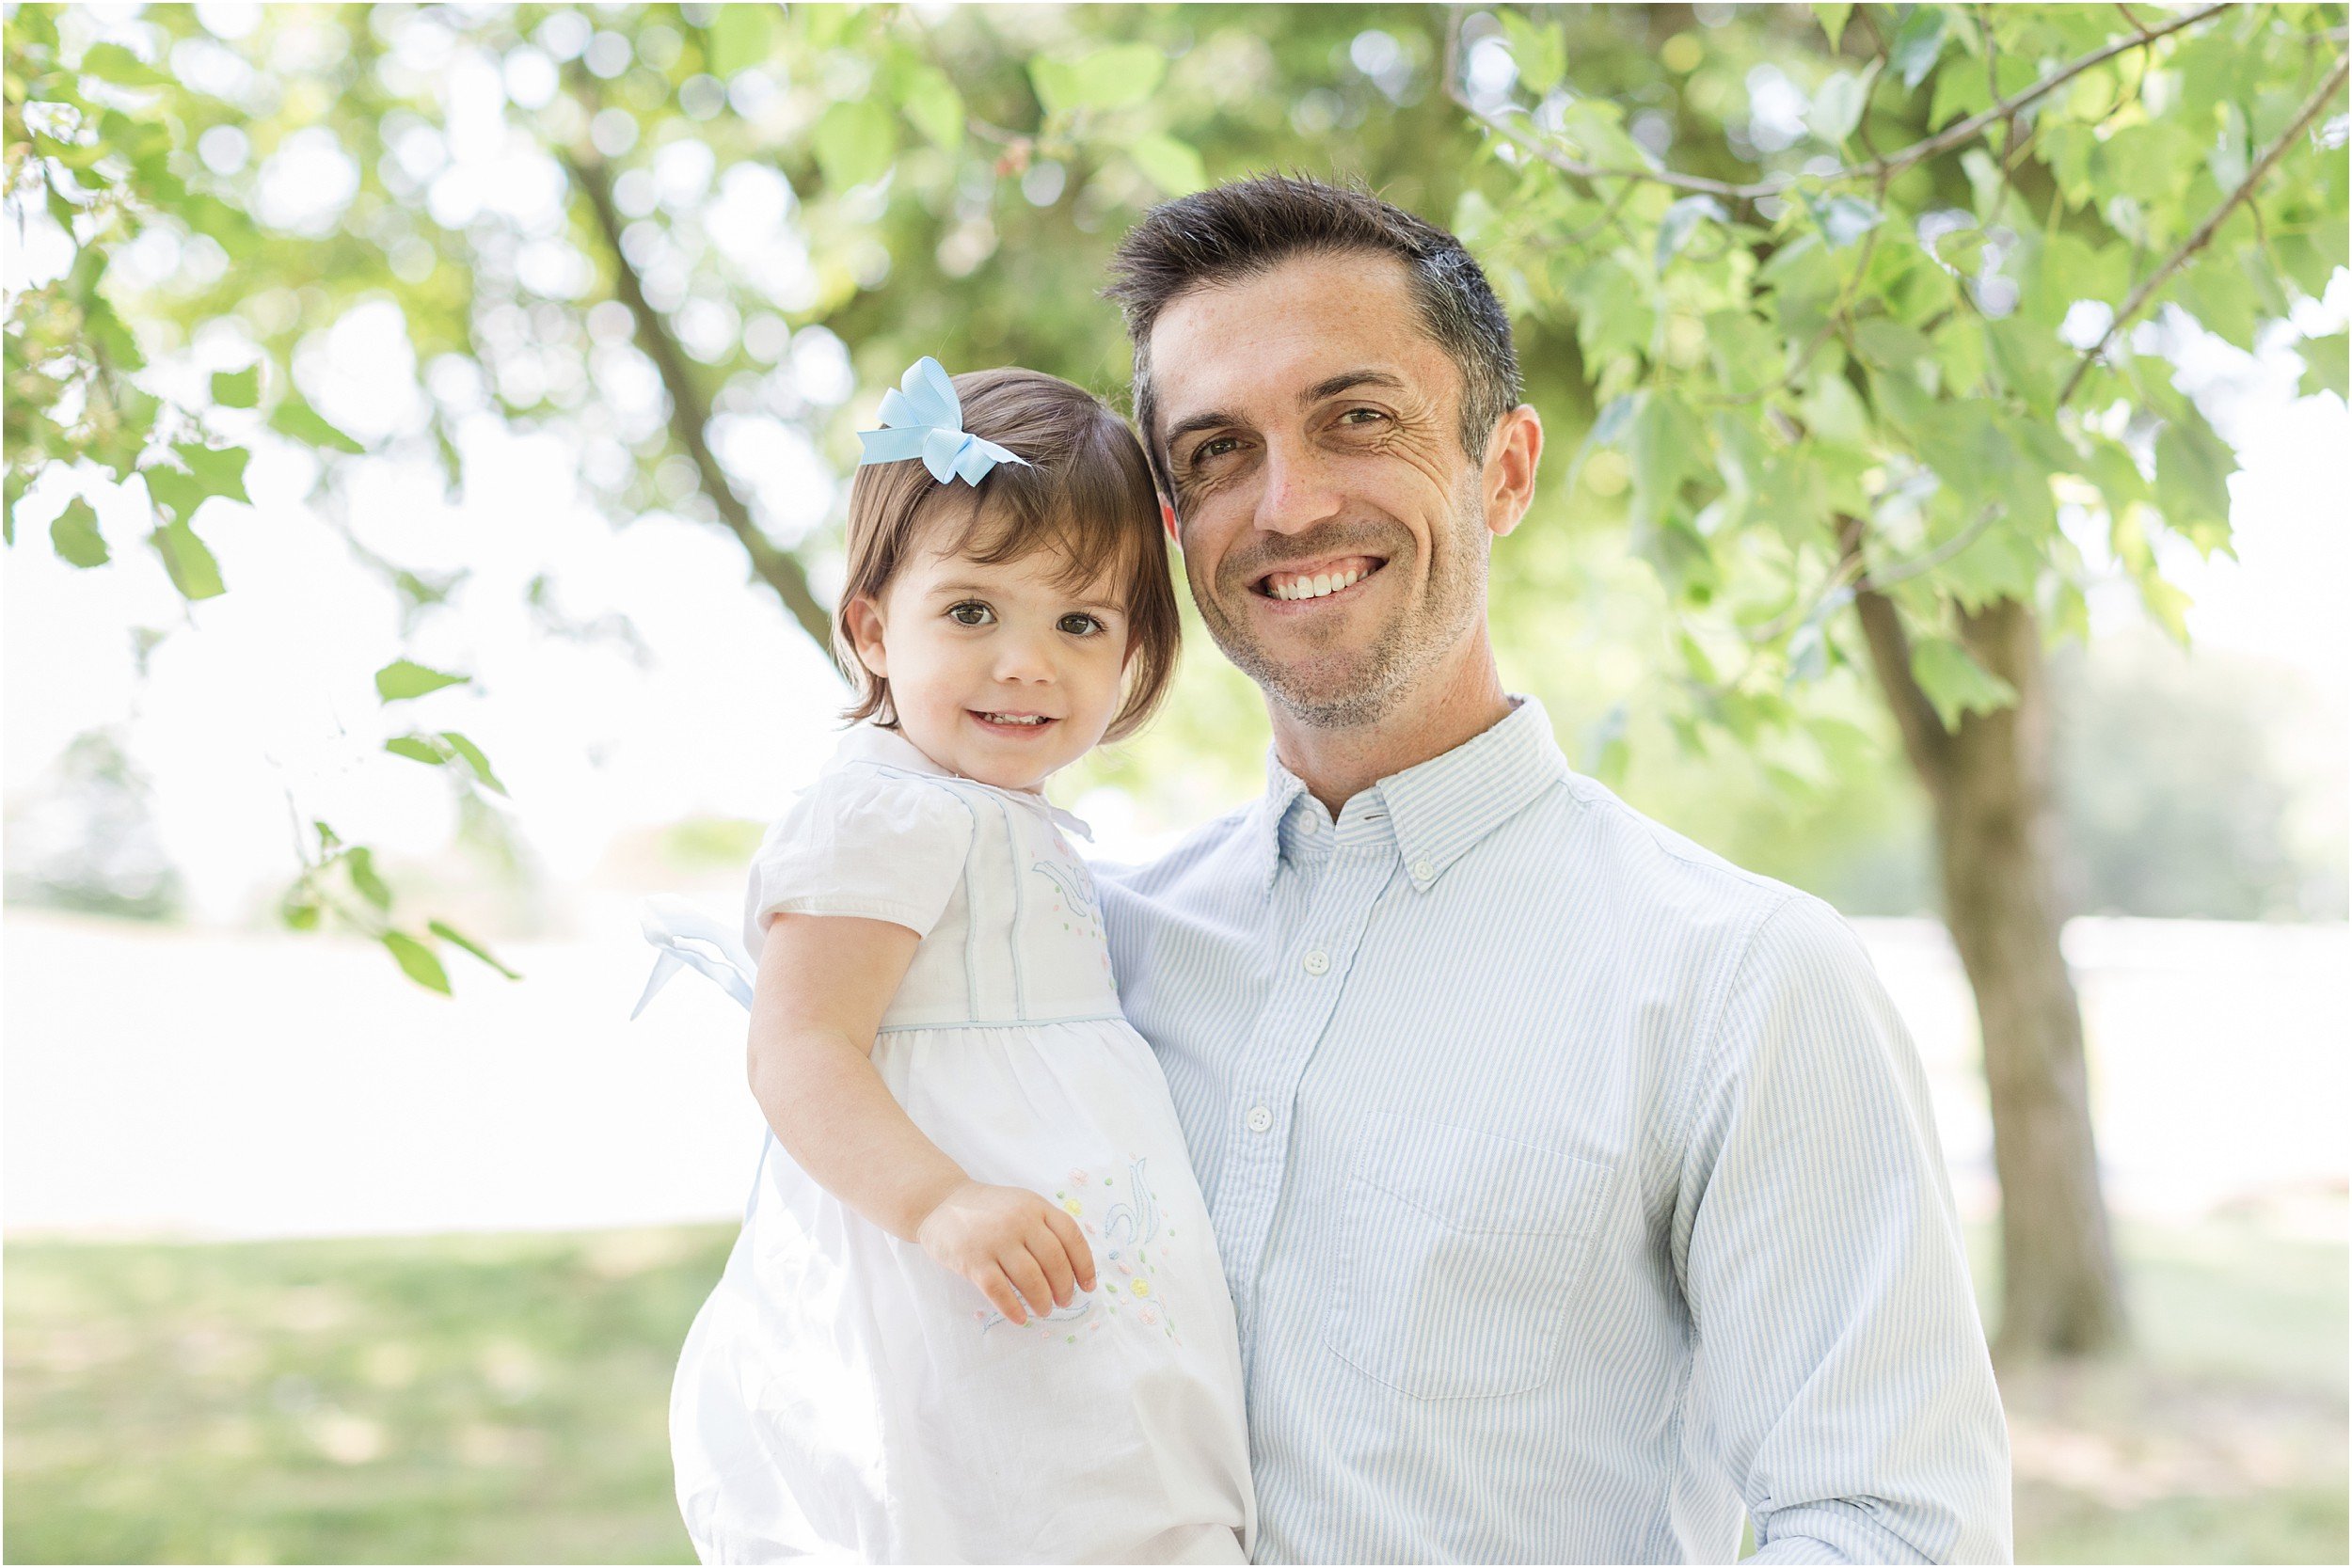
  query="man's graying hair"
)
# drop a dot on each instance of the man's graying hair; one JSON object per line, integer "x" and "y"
{"x": 1238, "y": 231}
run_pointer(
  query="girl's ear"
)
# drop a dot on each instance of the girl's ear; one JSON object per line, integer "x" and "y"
{"x": 864, "y": 618}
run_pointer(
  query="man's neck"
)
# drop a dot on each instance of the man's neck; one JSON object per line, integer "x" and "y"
{"x": 1462, "y": 700}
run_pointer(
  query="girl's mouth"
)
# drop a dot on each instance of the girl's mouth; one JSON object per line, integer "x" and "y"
{"x": 1316, "y": 579}
{"x": 1016, "y": 725}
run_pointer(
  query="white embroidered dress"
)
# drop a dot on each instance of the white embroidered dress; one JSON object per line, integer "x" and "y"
{"x": 841, "y": 1395}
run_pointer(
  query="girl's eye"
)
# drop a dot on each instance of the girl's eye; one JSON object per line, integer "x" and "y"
{"x": 1079, "y": 625}
{"x": 971, "y": 612}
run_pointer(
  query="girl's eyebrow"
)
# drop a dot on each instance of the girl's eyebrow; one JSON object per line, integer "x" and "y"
{"x": 945, "y": 588}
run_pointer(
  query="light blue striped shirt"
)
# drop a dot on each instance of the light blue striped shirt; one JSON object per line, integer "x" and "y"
{"x": 1576, "y": 1190}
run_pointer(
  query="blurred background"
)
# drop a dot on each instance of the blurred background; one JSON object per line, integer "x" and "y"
{"x": 428, "y": 429}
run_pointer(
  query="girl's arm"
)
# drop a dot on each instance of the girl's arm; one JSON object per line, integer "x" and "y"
{"x": 823, "y": 985}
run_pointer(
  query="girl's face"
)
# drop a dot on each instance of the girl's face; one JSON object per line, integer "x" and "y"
{"x": 998, "y": 672}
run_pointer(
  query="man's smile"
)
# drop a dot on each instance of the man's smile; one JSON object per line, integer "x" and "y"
{"x": 1325, "y": 578}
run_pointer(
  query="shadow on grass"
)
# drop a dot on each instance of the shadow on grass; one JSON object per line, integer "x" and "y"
{"x": 504, "y": 1399}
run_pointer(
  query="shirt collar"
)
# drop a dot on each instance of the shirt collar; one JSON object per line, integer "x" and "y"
{"x": 1439, "y": 808}
{"x": 868, "y": 742}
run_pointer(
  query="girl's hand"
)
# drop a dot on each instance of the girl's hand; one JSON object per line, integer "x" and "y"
{"x": 1025, "y": 1255}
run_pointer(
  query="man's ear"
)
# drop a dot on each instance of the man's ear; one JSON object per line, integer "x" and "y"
{"x": 1509, "y": 480}
{"x": 864, "y": 619}
{"x": 1168, "y": 521}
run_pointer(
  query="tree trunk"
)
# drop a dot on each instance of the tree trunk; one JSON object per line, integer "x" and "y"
{"x": 1997, "y": 837}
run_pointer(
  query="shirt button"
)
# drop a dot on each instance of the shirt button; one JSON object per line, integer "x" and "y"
{"x": 1422, "y": 871}
{"x": 1258, "y": 1119}
{"x": 1317, "y": 961}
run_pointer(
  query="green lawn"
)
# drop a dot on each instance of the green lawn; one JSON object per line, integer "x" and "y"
{"x": 502, "y": 1398}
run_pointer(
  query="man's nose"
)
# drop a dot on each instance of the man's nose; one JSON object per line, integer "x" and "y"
{"x": 1299, "y": 491}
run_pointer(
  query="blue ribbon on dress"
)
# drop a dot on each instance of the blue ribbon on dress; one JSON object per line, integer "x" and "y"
{"x": 922, "y": 418}
{"x": 687, "y": 937}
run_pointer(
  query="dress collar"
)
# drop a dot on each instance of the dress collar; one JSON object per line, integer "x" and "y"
{"x": 868, "y": 742}
{"x": 1438, "y": 809}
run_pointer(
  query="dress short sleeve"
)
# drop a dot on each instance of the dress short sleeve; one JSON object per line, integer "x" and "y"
{"x": 861, "y": 841}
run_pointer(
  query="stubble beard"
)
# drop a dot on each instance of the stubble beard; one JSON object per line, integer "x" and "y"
{"x": 1351, "y": 686}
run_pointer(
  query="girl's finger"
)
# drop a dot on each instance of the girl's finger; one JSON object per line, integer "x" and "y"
{"x": 1028, "y": 1279}
{"x": 1001, "y": 1295}
{"x": 1074, "y": 1246}
{"x": 1046, "y": 1249}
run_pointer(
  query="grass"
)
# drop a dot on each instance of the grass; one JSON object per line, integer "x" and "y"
{"x": 502, "y": 1399}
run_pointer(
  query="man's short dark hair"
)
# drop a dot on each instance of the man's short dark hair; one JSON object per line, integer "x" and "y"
{"x": 1247, "y": 227}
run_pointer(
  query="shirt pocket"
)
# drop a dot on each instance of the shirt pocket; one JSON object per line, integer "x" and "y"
{"x": 1458, "y": 1254}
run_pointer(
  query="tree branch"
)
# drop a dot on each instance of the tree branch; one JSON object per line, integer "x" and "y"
{"x": 1879, "y": 168}
{"x": 2205, "y": 231}
{"x": 689, "y": 411}
{"x": 1926, "y": 741}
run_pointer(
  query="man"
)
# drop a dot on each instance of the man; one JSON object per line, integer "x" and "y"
{"x": 1576, "y": 1190}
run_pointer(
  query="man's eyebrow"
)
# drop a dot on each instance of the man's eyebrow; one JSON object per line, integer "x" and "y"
{"x": 1195, "y": 423}
{"x": 1330, "y": 386}
{"x": 1347, "y": 381}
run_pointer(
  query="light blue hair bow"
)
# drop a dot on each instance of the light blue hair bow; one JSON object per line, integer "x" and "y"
{"x": 922, "y": 417}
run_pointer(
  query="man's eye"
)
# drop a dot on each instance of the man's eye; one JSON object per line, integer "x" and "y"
{"x": 971, "y": 612}
{"x": 1369, "y": 416}
{"x": 1079, "y": 625}
{"x": 1217, "y": 448}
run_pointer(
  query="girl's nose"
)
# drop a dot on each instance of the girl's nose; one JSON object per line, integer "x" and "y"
{"x": 1024, "y": 659}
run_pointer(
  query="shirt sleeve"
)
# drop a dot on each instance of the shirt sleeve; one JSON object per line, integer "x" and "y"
{"x": 879, "y": 846}
{"x": 1841, "y": 1376}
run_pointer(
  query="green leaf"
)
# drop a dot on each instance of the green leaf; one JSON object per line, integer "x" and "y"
{"x": 740, "y": 36}
{"x": 1956, "y": 684}
{"x": 2324, "y": 366}
{"x": 1844, "y": 220}
{"x": 298, "y": 910}
{"x": 417, "y": 748}
{"x": 1539, "y": 51}
{"x": 1886, "y": 344}
{"x": 2193, "y": 468}
{"x": 193, "y": 570}
{"x": 475, "y": 759}
{"x": 450, "y": 933}
{"x": 1113, "y": 78}
{"x": 1681, "y": 219}
{"x": 75, "y": 535}
{"x": 401, "y": 680}
{"x": 416, "y": 959}
{"x": 1665, "y": 446}
{"x": 855, "y": 141}
{"x": 1173, "y": 165}
{"x": 1838, "y": 105}
{"x": 360, "y": 863}
{"x": 237, "y": 388}
{"x": 1917, "y": 43}
{"x": 114, "y": 63}
{"x": 219, "y": 469}
{"x": 1833, "y": 19}
{"x": 293, "y": 416}
{"x": 933, "y": 106}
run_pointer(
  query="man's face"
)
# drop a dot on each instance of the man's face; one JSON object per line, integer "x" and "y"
{"x": 1333, "y": 528}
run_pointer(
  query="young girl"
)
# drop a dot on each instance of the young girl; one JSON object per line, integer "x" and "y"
{"x": 976, "y": 1312}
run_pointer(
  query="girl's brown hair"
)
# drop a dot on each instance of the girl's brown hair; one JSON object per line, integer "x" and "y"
{"x": 1085, "y": 494}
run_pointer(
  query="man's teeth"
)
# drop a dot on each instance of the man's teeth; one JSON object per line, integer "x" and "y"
{"x": 1014, "y": 718}
{"x": 1314, "y": 587}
